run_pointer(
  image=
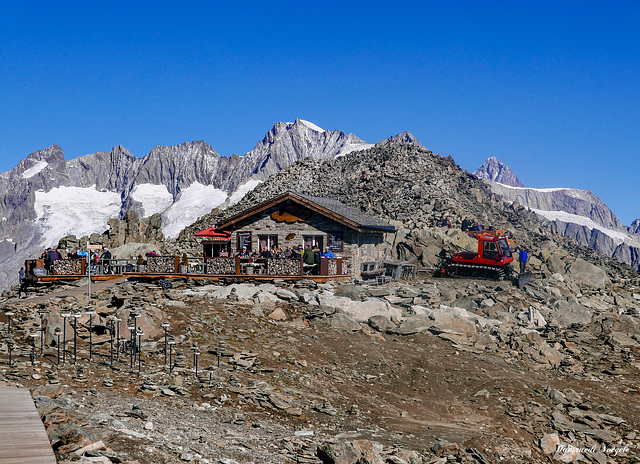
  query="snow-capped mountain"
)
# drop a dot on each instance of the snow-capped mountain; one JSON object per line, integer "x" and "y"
{"x": 495, "y": 170}
{"x": 576, "y": 213}
{"x": 45, "y": 197}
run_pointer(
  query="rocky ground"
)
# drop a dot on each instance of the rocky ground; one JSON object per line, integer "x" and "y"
{"x": 426, "y": 371}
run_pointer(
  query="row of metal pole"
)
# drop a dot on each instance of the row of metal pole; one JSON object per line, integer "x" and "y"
{"x": 135, "y": 340}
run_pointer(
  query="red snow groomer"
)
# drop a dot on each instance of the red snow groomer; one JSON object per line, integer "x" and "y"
{"x": 490, "y": 262}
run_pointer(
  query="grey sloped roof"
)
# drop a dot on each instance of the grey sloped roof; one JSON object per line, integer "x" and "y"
{"x": 364, "y": 220}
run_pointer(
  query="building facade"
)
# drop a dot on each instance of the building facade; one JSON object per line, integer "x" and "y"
{"x": 293, "y": 219}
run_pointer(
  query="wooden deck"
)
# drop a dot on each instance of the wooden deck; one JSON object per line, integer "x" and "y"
{"x": 23, "y": 439}
{"x": 212, "y": 277}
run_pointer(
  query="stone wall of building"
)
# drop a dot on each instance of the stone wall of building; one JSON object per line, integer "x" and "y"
{"x": 161, "y": 264}
{"x": 67, "y": 267}
{"x": 221, "y": 266}
{"x": 284, "y": 266}
{"x": 357, "y": 247}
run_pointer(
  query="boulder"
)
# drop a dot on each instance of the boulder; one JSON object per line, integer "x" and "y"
{"x": 549, "y": 442}
{"x": 555, "y": 264}
{"x": 445, "y": 320}
{"x": 286, "y": 295}
{"x": 340, "y": 321}
{"x": 381, "y": 324}
{"x": 278, "y": 315}
{"x": 338, "y": 453}
{"x": 587, "y": 274}
{"x": 360, "y": 311}
{"x": 567, "y": 311}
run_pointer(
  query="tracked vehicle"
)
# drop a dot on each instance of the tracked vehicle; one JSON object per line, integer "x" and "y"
{"x": 490, "y": 262}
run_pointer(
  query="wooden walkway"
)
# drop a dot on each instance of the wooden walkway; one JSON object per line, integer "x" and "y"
{"x": 211, "y": 277}
{"x": 23, "y": 439}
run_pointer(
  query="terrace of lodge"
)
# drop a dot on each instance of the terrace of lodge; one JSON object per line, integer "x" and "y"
{"x": 289, "y": 219}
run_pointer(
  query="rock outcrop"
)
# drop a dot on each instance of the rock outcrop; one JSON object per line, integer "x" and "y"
{"x": 493, "y": 169}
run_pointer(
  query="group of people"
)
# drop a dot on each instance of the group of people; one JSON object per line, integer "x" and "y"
{"x": 470, "y": 226}
{"x": 467, "y": 225}
{"x": 50, "y": 255}
{"x": 290, "y": 252}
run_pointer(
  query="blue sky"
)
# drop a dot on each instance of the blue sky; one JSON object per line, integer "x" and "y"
{"x": 550, "y": 88}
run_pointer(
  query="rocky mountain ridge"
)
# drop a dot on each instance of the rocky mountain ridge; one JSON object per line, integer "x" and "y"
{"x": 45, "y": 197}
{"x": 576, "y": 214}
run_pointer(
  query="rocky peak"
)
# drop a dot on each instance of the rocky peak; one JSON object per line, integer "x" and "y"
{"x": 287, "y": 143}
{"x": 406, "y": 137}
{"x": 635, "y": 227}
{"x": 49, "y": 154}
{"x": 495, "y": 170}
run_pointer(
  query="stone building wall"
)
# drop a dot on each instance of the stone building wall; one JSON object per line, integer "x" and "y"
{"x": 67, "y": 267}
{"x": 284, "y": 266}
{"x": 161, "y": 264}
{"x": 357, "y": 247}
{"x": 221, "y": 266}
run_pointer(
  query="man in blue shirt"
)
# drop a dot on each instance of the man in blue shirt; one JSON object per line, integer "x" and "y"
{"x": 523, "y": 256}
{"x": 327, "y": 253}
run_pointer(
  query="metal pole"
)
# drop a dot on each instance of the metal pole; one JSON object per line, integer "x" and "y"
{"x": 171, "y": 343}
{"x": 89, "y": 270}
{"x": 10, "y": 343}
{"x": 117, "y": 322}
{"x": 135, "y": 325}
{"x": 131, "y": 338}
{"x": 75, "y": 338}
{"x": 9, "y": 314}
{"x": 41, "y": 333}
{"x": 57, "y": 333}
{"x": 165, "y": 326}
{"x": 111, "y": 347}
{"x": 33, "y": 348}
{"x": 140, "y": 334}
{"x": 64, "y": 337}
{"x": 90, "y": 313}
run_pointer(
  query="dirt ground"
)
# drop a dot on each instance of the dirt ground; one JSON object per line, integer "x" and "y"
{"x": 415, "y": 392}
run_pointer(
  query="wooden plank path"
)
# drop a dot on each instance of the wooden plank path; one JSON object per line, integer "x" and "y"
{"x": 23, "y": 439}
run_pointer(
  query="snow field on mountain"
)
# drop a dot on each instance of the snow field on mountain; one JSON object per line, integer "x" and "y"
{"x": 618, "y": 237}
{"x": 154, "y": 198}
{"x": 35, "y": 169}
{"x": 193, "y": 202}
{"x": 571, "y": 192}
{"x": 311, "y": 126}
{"x": 242, "y": 190}
{"x": 354, "y": 147}
{"x": 74, "y": 210}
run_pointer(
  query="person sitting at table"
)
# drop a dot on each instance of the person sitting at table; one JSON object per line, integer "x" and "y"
{"x": 308, "y": 256}
{"x": 327, "y": 253}
{"x": 274, "y": 252}
{"x": 288, "y": 253}
{"x": 266, "y": 254}
{"x": 297, "y": 252}
{"x": 243, "y": 253}
{"x": 317, "y": 254}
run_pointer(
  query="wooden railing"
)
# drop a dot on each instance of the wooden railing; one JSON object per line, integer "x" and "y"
{"x": 194, "y": 265}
